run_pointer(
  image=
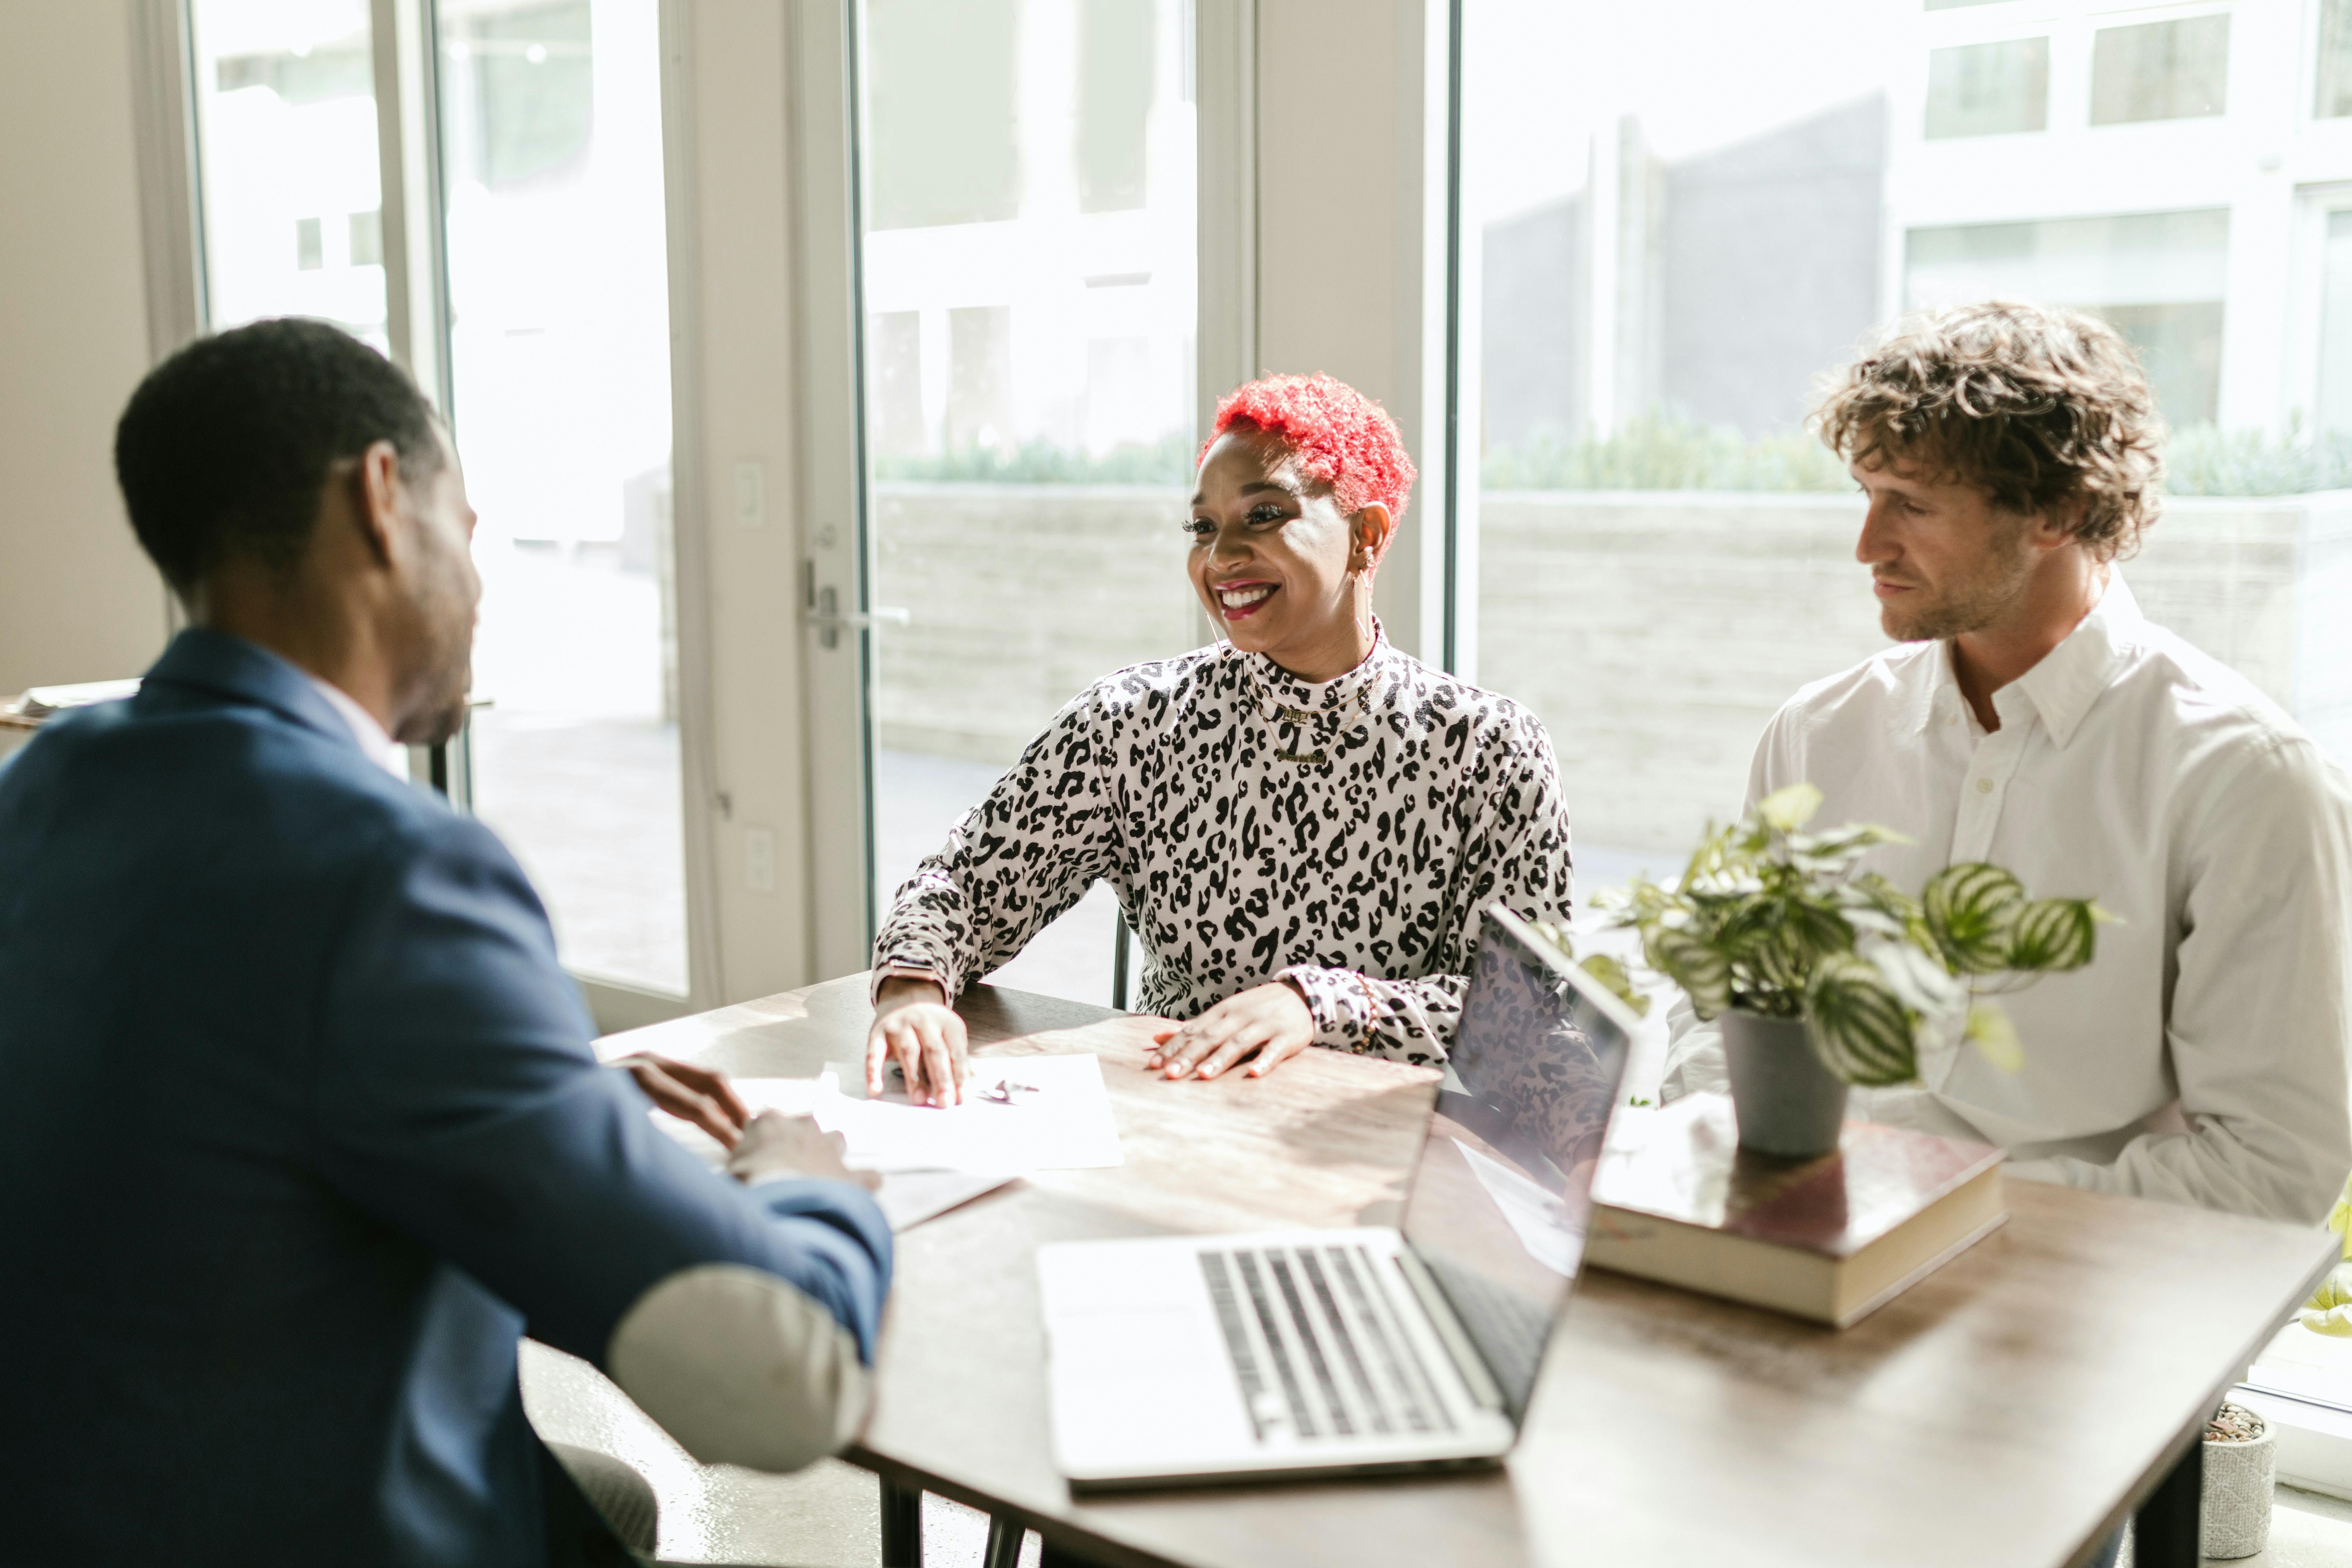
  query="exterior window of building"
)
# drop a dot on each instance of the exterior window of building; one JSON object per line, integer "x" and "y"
{"x": 931, "y": 64}
{"x": 285, "y": 123}
{"x": 2160, "y": 70}
{"x": 2160, "y": 278}
{"x": 365, "y": 232}
{"x": 1113, "y": 99}
{"x": 2336, "y": 327}
{"x": 1988, "y": 89}
{"x": 1670, "y": 230}
{"x": 2333, "y": 96}
{"x": 550, "y": 131}
{"x": 1028, "y": 273}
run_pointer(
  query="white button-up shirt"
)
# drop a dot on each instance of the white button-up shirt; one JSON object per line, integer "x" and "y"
{"x": 2201, "y": 1057}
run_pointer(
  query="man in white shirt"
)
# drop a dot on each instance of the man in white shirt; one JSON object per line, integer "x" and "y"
{"x": 2029, "y": 716}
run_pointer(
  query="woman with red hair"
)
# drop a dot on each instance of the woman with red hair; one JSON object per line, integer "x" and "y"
{"x": 1302, "y": 823}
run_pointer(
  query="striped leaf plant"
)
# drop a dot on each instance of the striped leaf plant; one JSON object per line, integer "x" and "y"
{"x": 1772, "y": 919}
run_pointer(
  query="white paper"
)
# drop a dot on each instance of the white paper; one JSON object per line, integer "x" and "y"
{"x": 1059, "y": 1119}
{"x": 1537, "y": 1217}
{"x": 907, "y": 1198}
{"x": 792, "y": 1096}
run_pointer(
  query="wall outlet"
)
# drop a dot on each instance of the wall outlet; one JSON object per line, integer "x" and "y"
{"x": 760, "y": 860}
{"x": 751, "y": 496}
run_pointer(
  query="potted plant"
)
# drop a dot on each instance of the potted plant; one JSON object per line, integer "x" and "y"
{"x": 1825, "y": 975}
{"x": 2240, "y": 1480}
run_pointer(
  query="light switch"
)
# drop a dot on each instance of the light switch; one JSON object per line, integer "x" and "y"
{"x": 751, "y": 496}
{"x": 760, "y": 860}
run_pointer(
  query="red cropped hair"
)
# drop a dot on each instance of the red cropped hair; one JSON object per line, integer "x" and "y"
{"x": 1339, "y": 436}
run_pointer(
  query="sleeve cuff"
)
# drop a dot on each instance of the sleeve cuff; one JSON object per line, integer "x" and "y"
{"x": 902, "y": 971}
{"x": 1339, "y": 1001}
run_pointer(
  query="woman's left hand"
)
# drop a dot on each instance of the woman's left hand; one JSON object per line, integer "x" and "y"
{"x": 1269, "y": 1022}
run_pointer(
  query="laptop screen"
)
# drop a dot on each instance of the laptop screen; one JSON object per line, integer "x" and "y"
{"x": 1496, "y": 1208}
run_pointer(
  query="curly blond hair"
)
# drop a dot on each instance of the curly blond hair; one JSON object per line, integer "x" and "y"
{"x": 2044, "y": 410}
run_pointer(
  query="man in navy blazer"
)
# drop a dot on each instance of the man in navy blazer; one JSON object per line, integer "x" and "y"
{"x": 302, "y": 1131}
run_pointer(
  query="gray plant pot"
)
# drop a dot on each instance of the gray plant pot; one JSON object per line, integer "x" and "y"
{"x": 2240, "y": 1480}
{"x": 1788, "y": 1103}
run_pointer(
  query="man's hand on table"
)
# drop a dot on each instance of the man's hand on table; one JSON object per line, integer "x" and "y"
{"x": 775, "y": 1144}
{"x": 1269, "y": 1023}
{"x": 700, "y": 1095}
{"x": 914, "y": 1027}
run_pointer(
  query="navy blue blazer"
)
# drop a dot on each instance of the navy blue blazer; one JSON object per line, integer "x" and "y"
{"x": 300, "y": 1131}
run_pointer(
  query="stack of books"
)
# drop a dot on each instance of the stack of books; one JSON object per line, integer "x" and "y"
{"x": 1833, "y": 1239}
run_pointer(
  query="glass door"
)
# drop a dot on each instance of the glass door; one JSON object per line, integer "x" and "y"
{"x": 284, "y": 99}
{"x": 1028, "y": 260}
{"x": 550, "y": 136}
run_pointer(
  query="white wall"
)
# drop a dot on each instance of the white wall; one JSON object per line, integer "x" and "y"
{"x": 740, "y": 347}
{"x": 78, "y": 600}
{"x": 1350, "y": 220}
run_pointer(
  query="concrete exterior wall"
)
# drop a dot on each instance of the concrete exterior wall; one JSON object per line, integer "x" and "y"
{"x": 1019, "y": 597}
{"x": 1655, "y": 633}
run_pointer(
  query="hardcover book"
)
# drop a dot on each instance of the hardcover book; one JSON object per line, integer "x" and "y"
{"x": 1676, "y": 1200}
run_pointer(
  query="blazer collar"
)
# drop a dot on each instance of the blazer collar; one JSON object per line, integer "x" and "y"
{"x": 204, "y": 661}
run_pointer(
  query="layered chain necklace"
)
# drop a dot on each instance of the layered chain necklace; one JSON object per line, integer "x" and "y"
{"x": 1279, "y": 714}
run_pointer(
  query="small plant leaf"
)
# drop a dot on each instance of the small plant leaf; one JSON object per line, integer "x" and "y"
{"x": 2050, "y": 935}
{"x": 1703, "y": 974}
{"x": 1995, "y": 1037}
{"x": 1919, "y": 980}
{"x": 1860, "y": 1030}
{"x": 1970, "y": 910}
{"x": 1787, "y": 809}
{"x": 1612, "y": 974}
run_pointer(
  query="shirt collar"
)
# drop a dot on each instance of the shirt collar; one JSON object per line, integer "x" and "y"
{"x": 2071, "y": 677}
{"x": 2059, "y": 690}
{"x": 1281, "y": 686}
{"x": 373, "y": 738}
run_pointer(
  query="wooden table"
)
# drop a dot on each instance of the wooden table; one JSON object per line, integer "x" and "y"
{"x": 2011, "y": 1410}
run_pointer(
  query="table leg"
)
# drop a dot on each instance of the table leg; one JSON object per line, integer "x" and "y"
{"x": 2167, "y": 1531}
{"x": 1004, "y": 1537}
{"x": 902, "y": 1525}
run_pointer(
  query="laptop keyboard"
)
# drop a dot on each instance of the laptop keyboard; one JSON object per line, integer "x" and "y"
{"x": 1508, "y": 1330}
{"x": 1318, "y": 1344}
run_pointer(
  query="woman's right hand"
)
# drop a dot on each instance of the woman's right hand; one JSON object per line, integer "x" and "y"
{"x": 914, "y": 1027}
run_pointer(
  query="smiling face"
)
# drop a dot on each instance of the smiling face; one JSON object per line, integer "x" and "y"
{"x": 1943, "y": 558}
{"x": 1274, "y": 559}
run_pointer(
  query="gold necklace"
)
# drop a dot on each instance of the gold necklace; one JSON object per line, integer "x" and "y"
{"x": 1300, "y": 718}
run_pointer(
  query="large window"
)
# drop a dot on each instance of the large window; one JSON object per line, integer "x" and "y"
{"x": 551, "y": 228}
{"x": 559, "y": 353}
{"x": 1028, "y": 278}
{"x": 1676, "y": 218}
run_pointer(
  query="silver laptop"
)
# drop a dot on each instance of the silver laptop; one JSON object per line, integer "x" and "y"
{"x": 1181, "y": 1358}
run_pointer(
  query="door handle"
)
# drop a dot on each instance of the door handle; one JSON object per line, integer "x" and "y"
{"x": 829, "y": 618}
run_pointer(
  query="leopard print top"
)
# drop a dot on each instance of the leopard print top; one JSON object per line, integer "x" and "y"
{"x": 1343, "y": 836}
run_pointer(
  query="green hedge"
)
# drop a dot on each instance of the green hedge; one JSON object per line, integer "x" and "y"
{"x": 1667, "y": 452}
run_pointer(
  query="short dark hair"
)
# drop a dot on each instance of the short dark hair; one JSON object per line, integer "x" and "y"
{"x": 2035, "y": 407}
{"x": 225, "y": 447}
